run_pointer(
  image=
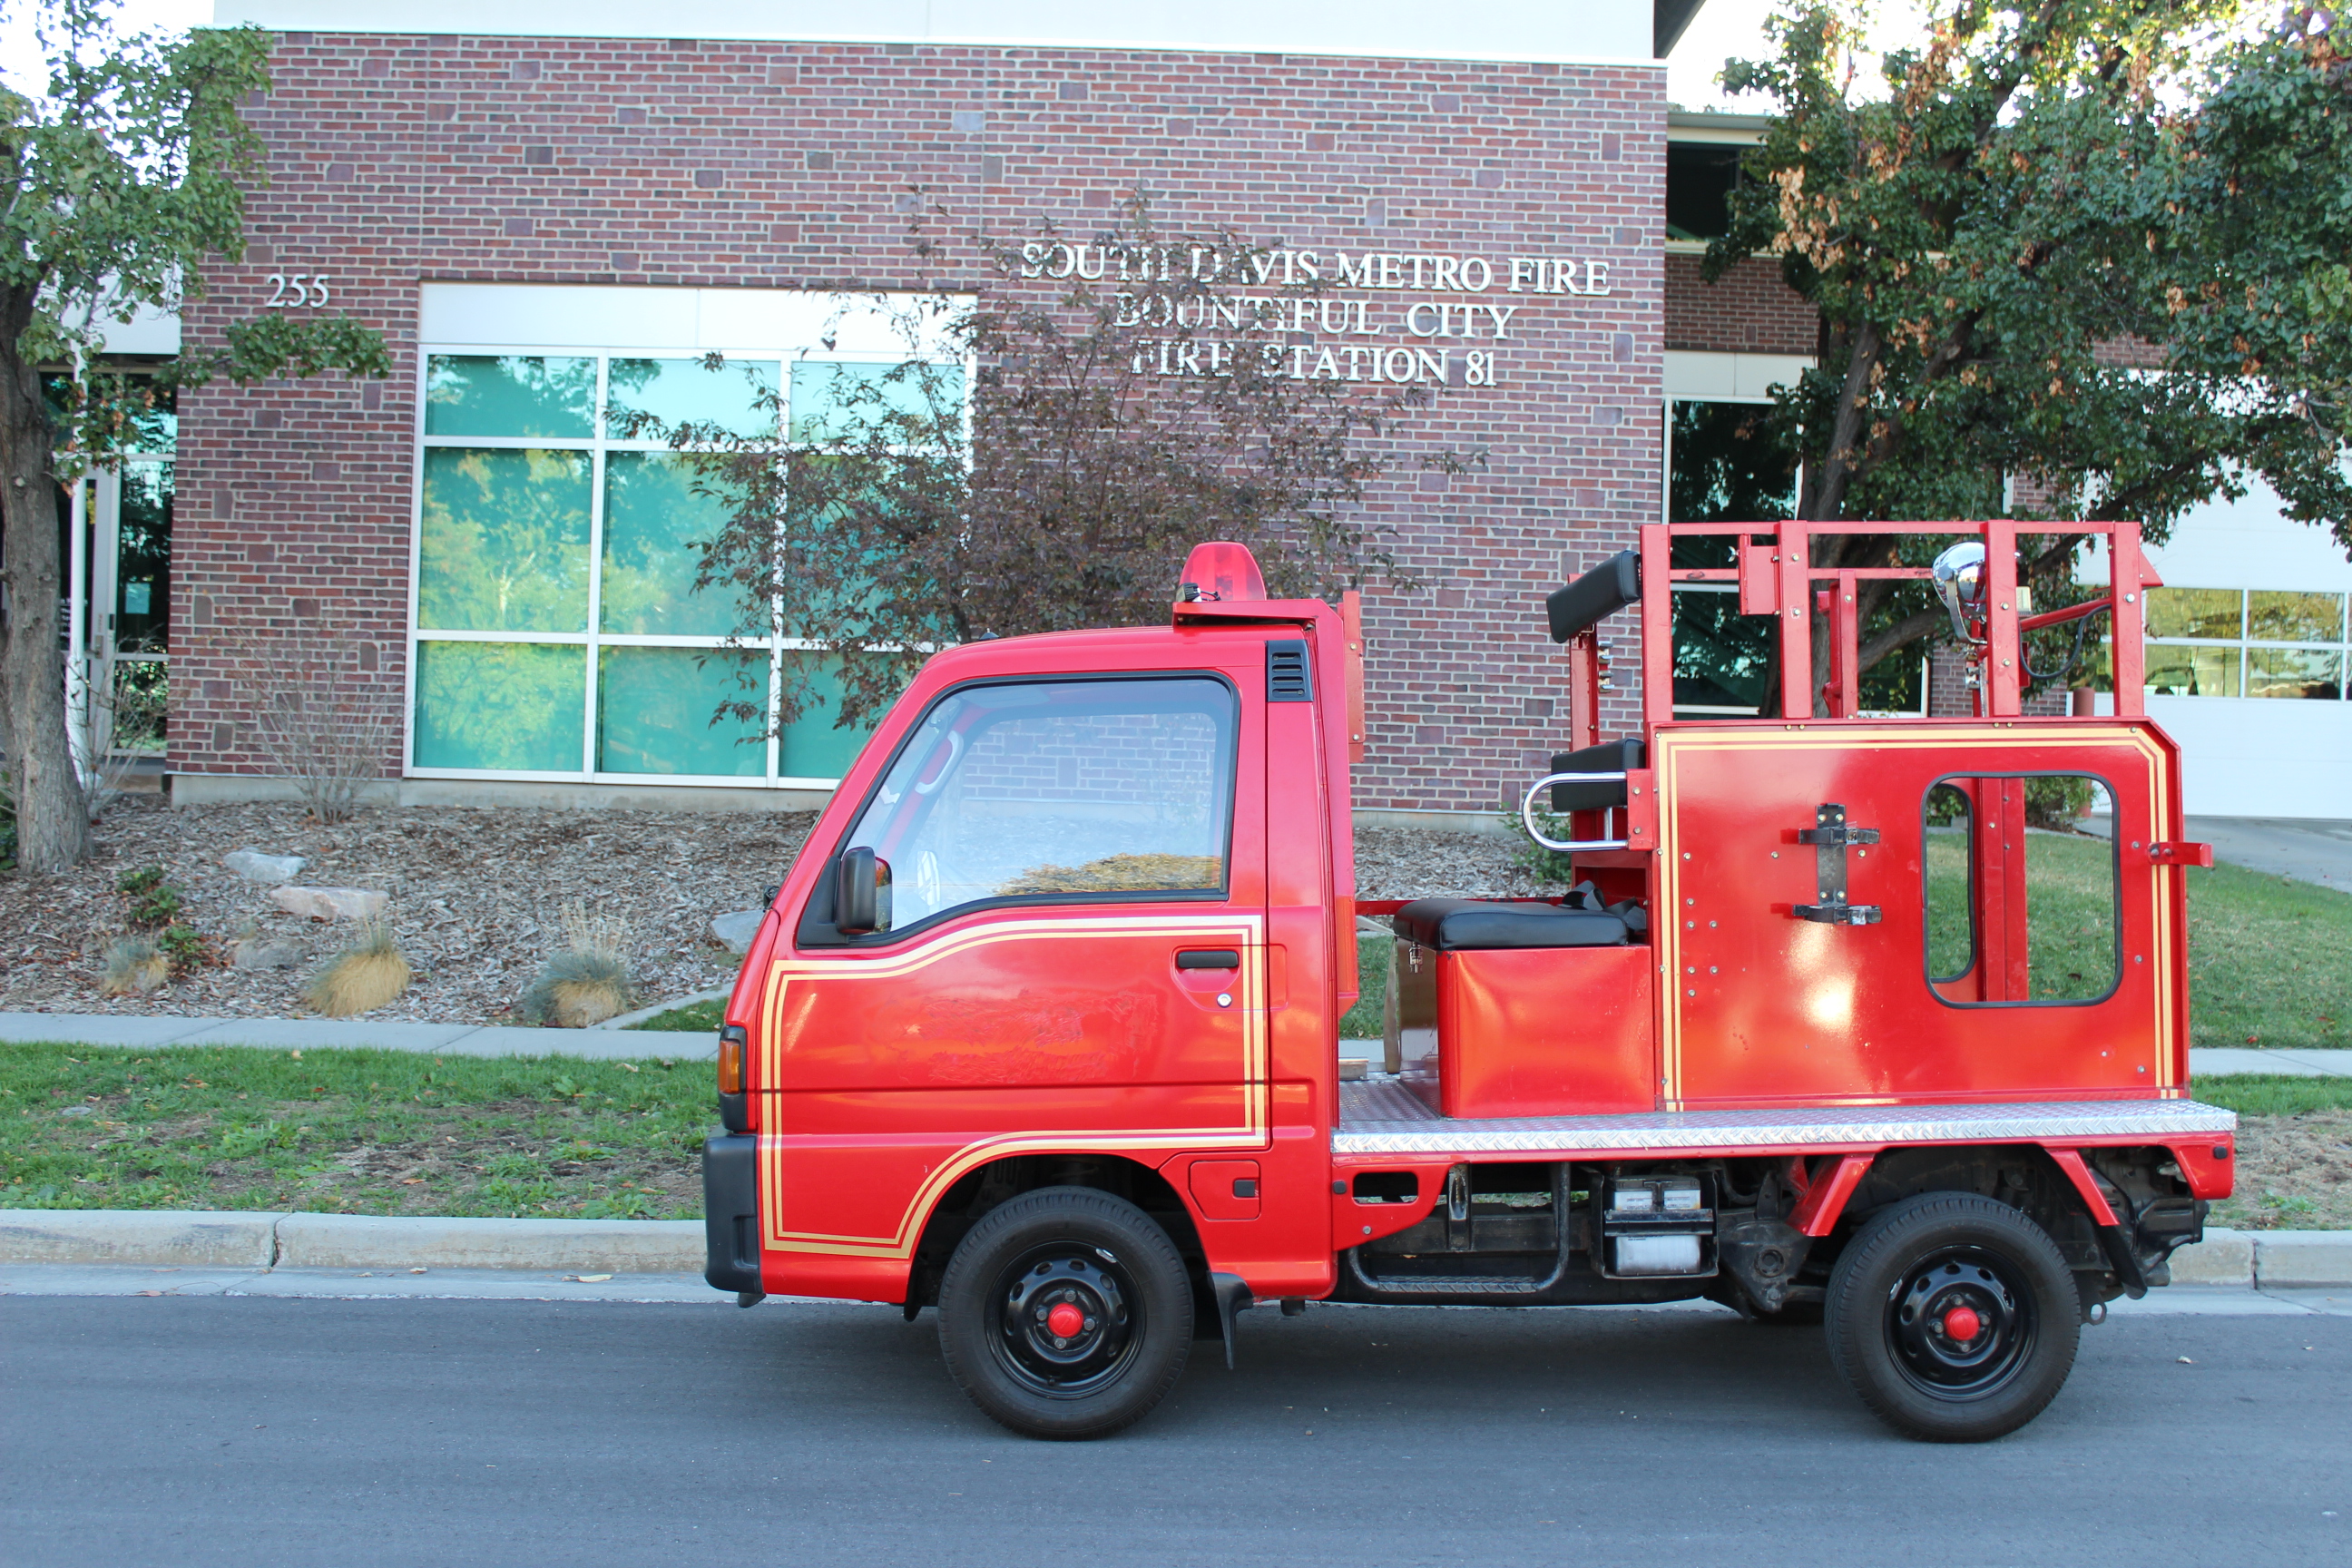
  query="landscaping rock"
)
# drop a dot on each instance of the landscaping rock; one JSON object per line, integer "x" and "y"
{"x": 737, "y": 930}
{"x": 265, "y": 955}
{"x": 327, "y": 903}
{"x": 256, "y": 867}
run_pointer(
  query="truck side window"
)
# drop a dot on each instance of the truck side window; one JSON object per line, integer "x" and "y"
{"x": 2022, "y": 889}
{"x": 1071, "y": 790}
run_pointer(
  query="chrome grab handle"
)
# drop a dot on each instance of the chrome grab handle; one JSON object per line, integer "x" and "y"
{"x": 1528, "y": 812}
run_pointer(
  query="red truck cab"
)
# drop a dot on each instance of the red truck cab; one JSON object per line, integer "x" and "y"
{"x": 1041, "y": 1027}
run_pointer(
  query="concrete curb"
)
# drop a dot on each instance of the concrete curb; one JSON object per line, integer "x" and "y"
{"x": 189, "y": 1238}
{"x": 178, "y": 1238}
{"x": 182, "y": 1238}
{"x": 2280, "y": 1258}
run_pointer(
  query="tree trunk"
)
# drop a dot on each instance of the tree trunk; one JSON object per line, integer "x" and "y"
{"x": 52, "y": 819}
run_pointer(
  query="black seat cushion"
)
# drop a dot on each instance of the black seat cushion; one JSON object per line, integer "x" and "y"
{"x": 1609, "y": 757}
{"x": 1453, "y": 925}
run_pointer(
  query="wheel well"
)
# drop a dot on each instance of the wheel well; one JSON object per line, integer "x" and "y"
{"x": 2025, "y": 1177}
{"x": 983, "y": 1188}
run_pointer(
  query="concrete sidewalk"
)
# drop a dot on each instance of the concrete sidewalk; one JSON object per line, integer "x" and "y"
{"x": 2307, "y": 851}
{"x": 325, "y": 1034}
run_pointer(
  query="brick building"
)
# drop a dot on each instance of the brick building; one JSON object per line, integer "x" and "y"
{"x": 552, "y": 218}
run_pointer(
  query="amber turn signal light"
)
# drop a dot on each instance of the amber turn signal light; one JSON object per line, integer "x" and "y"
{"x": 731, "y": 1042}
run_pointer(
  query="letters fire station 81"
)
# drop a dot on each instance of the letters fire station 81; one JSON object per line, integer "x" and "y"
{"x": 1335, "y": 326}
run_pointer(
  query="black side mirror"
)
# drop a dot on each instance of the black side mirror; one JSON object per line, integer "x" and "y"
{"x": 861, "y": 892}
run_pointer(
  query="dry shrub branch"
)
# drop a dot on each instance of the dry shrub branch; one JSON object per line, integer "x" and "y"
{"x": 323, "y": 714}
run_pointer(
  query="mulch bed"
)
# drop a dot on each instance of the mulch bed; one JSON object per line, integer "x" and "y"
{"x": 477, "y": 896}
{"x": 475, "y": 901}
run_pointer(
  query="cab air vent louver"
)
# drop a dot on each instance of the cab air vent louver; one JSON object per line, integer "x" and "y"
{"x": 1286, "y": 678}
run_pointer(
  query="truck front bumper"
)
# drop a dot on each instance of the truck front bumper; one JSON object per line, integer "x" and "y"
{"x": 730, "y": 1210}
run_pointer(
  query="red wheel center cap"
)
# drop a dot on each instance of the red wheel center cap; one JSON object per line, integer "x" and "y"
{"x": 1962, "y": 1323}
{"x": 1066, "y": 1321}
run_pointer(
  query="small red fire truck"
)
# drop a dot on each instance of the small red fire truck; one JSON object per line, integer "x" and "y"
{"x": 1847, "y": 1020}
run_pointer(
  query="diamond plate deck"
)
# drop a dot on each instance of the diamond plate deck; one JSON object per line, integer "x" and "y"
{"x": 1383, "y": 1117}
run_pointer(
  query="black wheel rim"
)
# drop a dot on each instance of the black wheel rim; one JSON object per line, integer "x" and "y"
{"x": 1064, "y": 1320}
{"x": 1960, "y": 1323}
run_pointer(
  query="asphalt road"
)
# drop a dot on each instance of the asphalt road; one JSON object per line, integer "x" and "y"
{"x": 250, "y": 1430}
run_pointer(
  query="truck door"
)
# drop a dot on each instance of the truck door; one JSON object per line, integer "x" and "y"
{"x": 1070, "y": 956}
{"x": 1950, "y": 913}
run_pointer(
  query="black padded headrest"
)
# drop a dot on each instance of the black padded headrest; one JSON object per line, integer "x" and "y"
{"x": 1603, "y": 591}
{"x": 1453, "y": 925}
{"x": 1609, "y": 757}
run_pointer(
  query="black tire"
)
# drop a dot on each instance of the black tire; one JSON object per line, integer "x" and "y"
{"x": 1113, "y": 1277}
{"x": 1917, "y": 1274}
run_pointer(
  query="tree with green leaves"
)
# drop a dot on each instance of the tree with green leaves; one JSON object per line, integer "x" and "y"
{"x": 1105, "y": 428}
{"x": 126, "y": 176}
{"x": 2073, "y": 258}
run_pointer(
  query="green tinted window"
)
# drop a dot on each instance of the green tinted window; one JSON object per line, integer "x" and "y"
{"x": 2193, "y": 612}
{"x": 512, "y": 706}
{"x": 2177, "y": 671}
{"x": 655, "y": 705}
{"x": 655, "y": 526}
{"x": 505, "y": 540}
{"x": 813, "y": 747}
{"x": 2295, "y": 617}
{"x": 648, "y": 398}
{"x": 833, "y": 399}
{"x": 2293, "y": 672}
{"x": 510, "y": 394}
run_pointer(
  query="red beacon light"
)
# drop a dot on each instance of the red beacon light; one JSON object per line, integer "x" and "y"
{"x": 1222, "y": 571}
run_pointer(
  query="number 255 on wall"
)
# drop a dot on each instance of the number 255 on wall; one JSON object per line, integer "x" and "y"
{"x": 295, "y": 290}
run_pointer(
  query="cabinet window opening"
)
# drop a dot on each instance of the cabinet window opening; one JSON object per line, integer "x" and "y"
{"x": 2022, "y": 889}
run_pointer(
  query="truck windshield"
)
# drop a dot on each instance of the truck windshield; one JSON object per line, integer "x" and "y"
{"x": 1069, "y": 789}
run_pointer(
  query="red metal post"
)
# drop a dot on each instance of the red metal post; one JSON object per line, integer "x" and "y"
{"x": 2002, "y": 650}
{"x": 1657, "y": 625}
{"x": 2130, "y": 664}
{"x": 1794, "y": 557}
{"x": 1841, "y": 692}
{"x": 1584, "y": 689}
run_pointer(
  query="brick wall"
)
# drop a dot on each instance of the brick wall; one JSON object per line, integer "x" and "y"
{"x": 395, "y": 161}
{"x": 1747, "y": 311}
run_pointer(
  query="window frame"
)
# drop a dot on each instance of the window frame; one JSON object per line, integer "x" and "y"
{"x": 600, "y": 443}
{"x": 2115, "y": 881}
{"x": 814, "y": 926}
{"x": 2246, "y": 646}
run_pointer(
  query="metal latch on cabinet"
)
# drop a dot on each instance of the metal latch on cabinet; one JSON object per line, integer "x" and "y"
{"x": 1831, "y": 837}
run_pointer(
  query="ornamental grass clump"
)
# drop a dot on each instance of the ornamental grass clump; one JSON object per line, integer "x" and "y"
{"x": 132, "y": 964}
{"x": 366, "y": 974}
{"x": 588, "y": 982}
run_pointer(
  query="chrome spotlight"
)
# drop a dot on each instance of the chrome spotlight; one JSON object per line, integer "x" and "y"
{"x": 1959, "y": 576}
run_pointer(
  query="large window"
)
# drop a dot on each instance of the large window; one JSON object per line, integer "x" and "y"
{"x": 557, "y": 631}
{"x": 1723, "y": 465}
{"x": 1092, "y": 790}
{"x": 2235, "y": 642}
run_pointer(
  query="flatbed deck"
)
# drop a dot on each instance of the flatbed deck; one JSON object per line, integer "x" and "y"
{"x": 1381, "y": 1117}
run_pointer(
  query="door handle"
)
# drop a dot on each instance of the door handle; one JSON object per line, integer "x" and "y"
{"x": 1209, "y": 958}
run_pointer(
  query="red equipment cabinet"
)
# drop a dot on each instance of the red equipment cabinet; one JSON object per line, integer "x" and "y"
{"x": 1040, "y": 1027}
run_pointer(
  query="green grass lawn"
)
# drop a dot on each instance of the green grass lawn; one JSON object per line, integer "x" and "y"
{"x": 395, "y": 1132}
{"x": 2270, "y": 961}
{"x": 702, "y": 1016}
{"x": 1362, "y": 1021}
{"x": 358, "y": 1132}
